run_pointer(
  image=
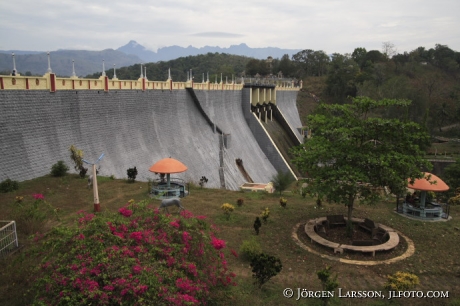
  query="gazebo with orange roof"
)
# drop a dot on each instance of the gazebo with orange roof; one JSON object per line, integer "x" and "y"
{"x": 429, "y": 182}
{"x": 168, "y": 166}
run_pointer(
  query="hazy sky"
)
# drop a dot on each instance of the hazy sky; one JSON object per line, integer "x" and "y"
{"x": 328, "y": 25}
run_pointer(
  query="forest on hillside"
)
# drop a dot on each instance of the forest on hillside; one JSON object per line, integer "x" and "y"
{"x": 430, "y": 78}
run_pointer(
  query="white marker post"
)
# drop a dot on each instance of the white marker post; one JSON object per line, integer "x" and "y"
{"x": 97, "y": 205}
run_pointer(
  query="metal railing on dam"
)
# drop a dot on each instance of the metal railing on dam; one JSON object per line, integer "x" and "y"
{"x": 54, "y": 83}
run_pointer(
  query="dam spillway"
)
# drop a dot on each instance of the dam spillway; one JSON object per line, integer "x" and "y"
{"x": 133, "y": 128}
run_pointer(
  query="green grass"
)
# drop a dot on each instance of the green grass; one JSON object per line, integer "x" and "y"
{"x": 435, "y": 260}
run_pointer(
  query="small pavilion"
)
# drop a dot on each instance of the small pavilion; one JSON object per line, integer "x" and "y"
{"x": 168, "y": 187}
{"x": 424, "y": 207}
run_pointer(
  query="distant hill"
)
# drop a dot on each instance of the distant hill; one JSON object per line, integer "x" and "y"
{"x": 173, "y": 52}
{"x": 86, "y": 62}
{"x": 201, "y": 65}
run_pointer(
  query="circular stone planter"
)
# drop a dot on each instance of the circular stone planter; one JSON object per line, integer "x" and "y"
{"x": 338, "y": 248}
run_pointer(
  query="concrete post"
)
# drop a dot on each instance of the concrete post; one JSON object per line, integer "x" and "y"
{"x": 97, "y": 205}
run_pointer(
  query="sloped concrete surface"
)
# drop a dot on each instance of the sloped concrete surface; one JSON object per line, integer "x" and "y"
{"x": 225, "y": 108}
{"x": 132, "y": 128}
{"x": 286, "y": 101}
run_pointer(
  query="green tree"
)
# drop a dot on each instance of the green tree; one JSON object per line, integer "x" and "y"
{"x": 281, "y": 181}
{"x": 76, "y": 156}
{"x": 286, "y": 66}
{"x": 264, "y": 267}
{"x": 354, "y": 151}
{"x": 452, "y": 175}
{"x": 341, "y": 77}
{"x": 359, "y": 56}
{"x": 311, "y": 63}
{"x": 59, "y": 169}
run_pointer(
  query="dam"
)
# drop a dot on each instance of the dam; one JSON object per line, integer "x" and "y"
{"x": 135, "y": 123}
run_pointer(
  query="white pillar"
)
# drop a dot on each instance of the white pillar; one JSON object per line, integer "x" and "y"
{"x": 49, "y": 64}
{"x": 97, "y": 205}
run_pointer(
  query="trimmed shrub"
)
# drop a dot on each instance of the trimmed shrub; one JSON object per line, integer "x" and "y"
{"x": 401, "y": 281}
{"x": 257, "y": 225}
{"x": 8, "y": 186}
{"x": 265, "y": 214}
{"x": 203, "y": 181}
{"x": 59, "y": 169}
{"x": 264, "y": 267}
{"x": 250, "y": 248}
{"x": 328, "y": 282}
{"x": 283, "y": 202}
{"x": 132, "y": 173}
{"x": 227, "y": 208}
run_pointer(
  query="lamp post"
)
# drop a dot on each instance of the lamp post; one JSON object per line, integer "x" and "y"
{"x": 97, "y": 205}
{"x": 73, "y": 69}
{"x": 14, "y": 65}
{"x": 49, "y": 64}
{"x": 103, "y": 68}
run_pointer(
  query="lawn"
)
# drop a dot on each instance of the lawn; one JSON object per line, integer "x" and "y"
{"x": 435, "y": 260}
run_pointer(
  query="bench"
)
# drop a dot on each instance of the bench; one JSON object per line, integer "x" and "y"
{"x": 370, "y": 226}
{"x": 335, "y": 220}
{"x": 320, "y": 228}
{"x": 310, "y": 230}
{"x": 381, "y": 236}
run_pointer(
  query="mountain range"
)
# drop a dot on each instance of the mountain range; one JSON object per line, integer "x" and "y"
{"x": 173, "y": 52}
{"x": 89, "y": 62}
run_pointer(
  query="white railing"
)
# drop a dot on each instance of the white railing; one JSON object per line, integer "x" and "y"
{"x": 8, "y": 237}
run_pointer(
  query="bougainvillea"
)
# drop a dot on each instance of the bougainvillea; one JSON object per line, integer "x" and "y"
{"x": 143, "y": 258}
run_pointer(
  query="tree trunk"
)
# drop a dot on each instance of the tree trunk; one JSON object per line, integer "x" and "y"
{"x": 351, "y": 200}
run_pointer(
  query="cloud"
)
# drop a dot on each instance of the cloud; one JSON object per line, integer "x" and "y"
{"x": 218, "y": 35}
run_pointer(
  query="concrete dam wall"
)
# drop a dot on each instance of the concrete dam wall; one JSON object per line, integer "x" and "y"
{"x": 132, "y": 128}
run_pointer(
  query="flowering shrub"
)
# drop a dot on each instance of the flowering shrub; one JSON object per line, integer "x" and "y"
{"x": 265, "y": 214}
{"x": 283, "y": 202}
{"x": 38, "y": 196}
{"x": 401, "y": 281}
{"x": 146, "y": 258}
{"x": 227, "y": 208}
{"x": 125, "y": 212}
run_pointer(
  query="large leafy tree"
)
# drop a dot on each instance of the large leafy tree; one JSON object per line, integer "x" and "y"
{"x": 355, "y": 151}
{"x": 341, "y": 78}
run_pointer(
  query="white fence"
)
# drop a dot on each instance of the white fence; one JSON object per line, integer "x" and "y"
{"x": 8, "y": 237}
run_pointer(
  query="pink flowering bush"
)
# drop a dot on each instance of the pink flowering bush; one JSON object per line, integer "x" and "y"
{"x": 38, "y": 196}
{"x": 142, "y": 258}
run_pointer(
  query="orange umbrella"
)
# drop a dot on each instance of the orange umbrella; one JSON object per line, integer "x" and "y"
{"x": 167, "y": 166}
{"x": 429, "y": 182}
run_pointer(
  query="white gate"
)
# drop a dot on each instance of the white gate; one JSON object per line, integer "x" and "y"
{"x": 8, "y": 237}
